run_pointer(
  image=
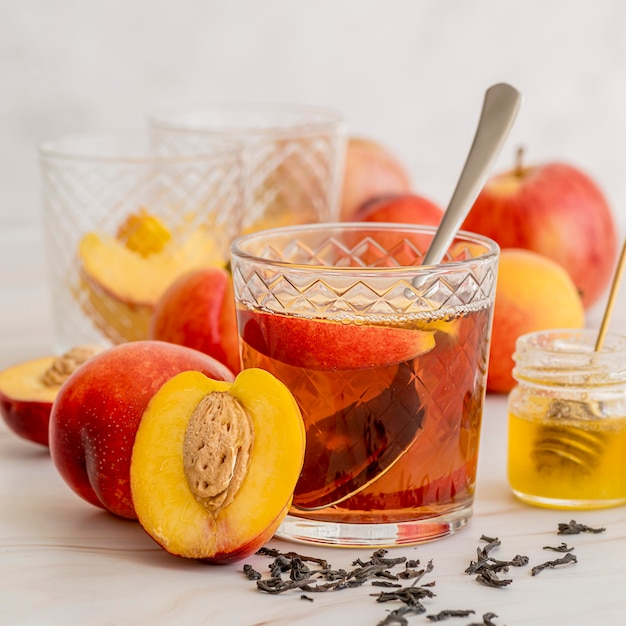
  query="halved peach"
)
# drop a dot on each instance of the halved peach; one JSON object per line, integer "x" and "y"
{"x": 95, "y": 417}
{"x": 214, "y": 464}
{"x": 122, "y": 277}
{"x": 331, "y": 345}
{"x": 28, "y": 390}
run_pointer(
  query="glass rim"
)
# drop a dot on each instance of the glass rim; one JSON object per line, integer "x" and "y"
{"x": 236, "y": 250}
{"x": 578, "y": 341}
{"x": 319, "y": 118}
{"x": 88, "y": 147}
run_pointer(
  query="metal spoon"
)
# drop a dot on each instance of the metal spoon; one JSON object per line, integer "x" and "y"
{"x": 353, "y": 468}
{"x": 500, "y": 107}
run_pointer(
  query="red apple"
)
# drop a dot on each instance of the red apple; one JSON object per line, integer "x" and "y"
{"x": 370, "y": 171}
{"x": 408, "y": 208}
{"x": 98, "y": 409}
{"x": 198, "y": 311}
{"x": 556, "y": 210}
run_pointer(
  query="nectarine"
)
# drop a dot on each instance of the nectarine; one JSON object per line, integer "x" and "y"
{"x": 198, "y": 311}
{"x": 97, "y": 411}
{"x": 533, "y": 293}
{"x": 408, "y": 208}
{"x": 214, "y": 464}
{"x": 370, "y": 171}
{"x": 27, "y": 391}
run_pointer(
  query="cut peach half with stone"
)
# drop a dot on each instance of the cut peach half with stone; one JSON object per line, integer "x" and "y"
{"x": 121, "y": 280}
{"x": 332, "y": 345}
{"x": 214, "y": 464}
{"x": 28, "y": 391}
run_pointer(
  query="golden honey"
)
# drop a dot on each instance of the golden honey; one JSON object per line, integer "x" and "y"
{"x": 567, "y": 421}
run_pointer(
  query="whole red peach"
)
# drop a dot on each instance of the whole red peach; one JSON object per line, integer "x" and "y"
{"x": 198, "y": 311}
{"x": 98, "y": 409}
{"x": 407, "y": 208}
{"x": 533, "y": 293}
{"x": 371, "y": 171}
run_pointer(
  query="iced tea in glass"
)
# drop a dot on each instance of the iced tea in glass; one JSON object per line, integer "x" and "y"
{"x": 387, "y": 359}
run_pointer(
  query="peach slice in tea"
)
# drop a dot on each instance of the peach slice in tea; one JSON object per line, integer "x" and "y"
{"x": 330, "y": 345}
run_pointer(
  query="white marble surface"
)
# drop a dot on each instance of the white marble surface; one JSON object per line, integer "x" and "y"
{"x": 63, "y": 561}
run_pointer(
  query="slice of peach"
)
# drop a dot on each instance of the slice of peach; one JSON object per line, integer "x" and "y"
{"x": 28, "y": 390}
{"x": 326, "y": 345}
{"x": 122, "y": 277}
{"x": 214, "y": 464}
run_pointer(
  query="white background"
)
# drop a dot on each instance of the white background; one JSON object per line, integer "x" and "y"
{"x": 409, "y": 73}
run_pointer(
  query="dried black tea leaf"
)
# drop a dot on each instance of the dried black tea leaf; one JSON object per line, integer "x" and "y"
{"x": 490, "y": 540}
{"x": 307, "y": 598}
{"x": 490, "y": 578}
{"x": 378, "y": 558}
{"x": 568, "y": 558}
{"x": 487, "y": 568}
{"x": 299, "y": 571}
{"x": 562, "y": 547}
{"x": 251, "y": 573}
{"x": 275, "y": 585}
{"x": 574, "y": 528}
{"x": 273, "y": 553}
{"x": 447, "y": 614}
{"x": 397, "y": 616}
{"x": 407, "y": 595}
{"x": 487, "y": 620}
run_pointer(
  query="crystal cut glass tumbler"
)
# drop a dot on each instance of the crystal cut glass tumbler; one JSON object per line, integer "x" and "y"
{"x": 294, "y": 156}
{"x": 125, "y": 214}
{"x": 387, "y": 360}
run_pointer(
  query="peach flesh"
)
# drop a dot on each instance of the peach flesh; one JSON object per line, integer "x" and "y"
{"x": 165, "y": 500}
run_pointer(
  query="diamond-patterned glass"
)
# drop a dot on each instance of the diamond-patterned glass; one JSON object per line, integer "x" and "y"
{"x": 102, "y": 290}
{"x": 294, "y": 156}
{"x": 387, "y": 360}
{"x": 325, "y": 271}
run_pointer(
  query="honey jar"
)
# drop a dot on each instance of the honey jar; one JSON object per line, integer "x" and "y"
{"x": 567, "y": 420}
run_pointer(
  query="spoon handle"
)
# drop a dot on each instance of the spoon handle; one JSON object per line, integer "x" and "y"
{"x": 499, "y": 111}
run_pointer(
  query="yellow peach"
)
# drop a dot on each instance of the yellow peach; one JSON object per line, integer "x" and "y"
{"x": 533, "y": 293}
{"x": 122, "y": 277}
{"x": 214, "y": 464}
